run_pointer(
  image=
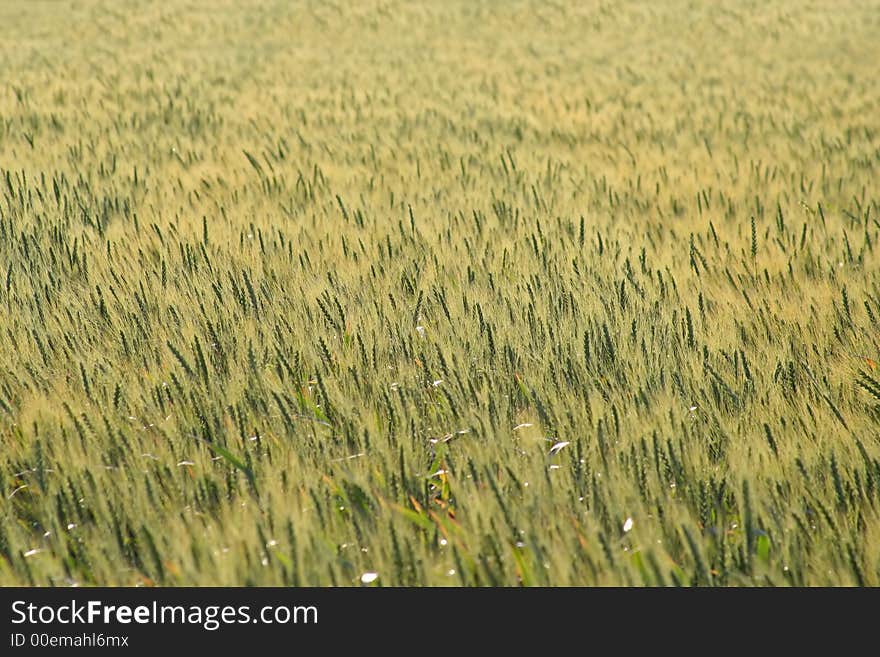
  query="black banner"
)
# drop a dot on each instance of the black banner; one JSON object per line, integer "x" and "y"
{"x": 136, "y": 620}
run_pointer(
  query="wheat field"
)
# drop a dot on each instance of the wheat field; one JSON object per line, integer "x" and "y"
{"x": 439, "y": 294}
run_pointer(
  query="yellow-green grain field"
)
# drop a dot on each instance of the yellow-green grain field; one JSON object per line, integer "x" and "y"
{"x": 456, "y": 293}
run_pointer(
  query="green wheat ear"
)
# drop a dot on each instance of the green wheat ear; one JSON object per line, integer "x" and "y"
{"x": 754, "y": 250}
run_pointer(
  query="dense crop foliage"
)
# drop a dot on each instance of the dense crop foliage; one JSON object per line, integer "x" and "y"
{"x": 457, "y": 293}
